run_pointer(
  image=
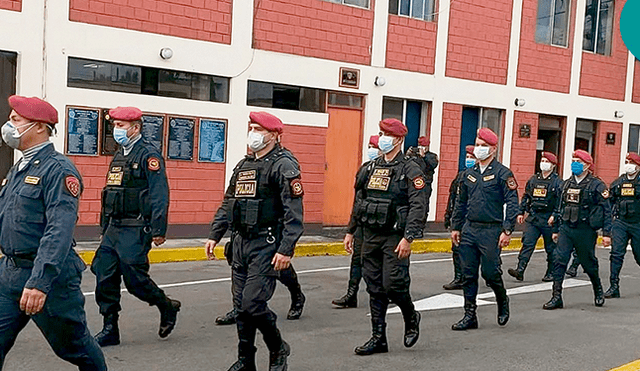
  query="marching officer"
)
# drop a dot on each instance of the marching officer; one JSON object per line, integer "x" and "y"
{"x": 583, "y": 209}
{"x": 40, "y": 272}
{"x": 263, "y": 208}
{"x": 135, "y": 202}
{"x": 350, "y": 300}
{"x": 539, "y": 200}
{"x": 428, "y": 164}
{"x": 470, "y": 161}
{"x": 625, "y": 208}
{"x": 481, "y": 227}
{"x": 392, "y": 211}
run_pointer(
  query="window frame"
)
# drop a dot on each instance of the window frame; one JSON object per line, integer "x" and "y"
{"x": 597, "y": 31}
{"x": 342, "y": 2}
{"x": 427, "y": 17}
{"x": 637, "y": 148}
{"x": 552, "y": 17}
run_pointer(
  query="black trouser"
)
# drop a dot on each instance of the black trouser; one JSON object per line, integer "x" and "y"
{"x": 123, "y": 255}
{"x": 479, "y": 248}
{"x": 355, "y": 269}
{"x": 387, "y": 277}
{"x": 532, "y": 233}
{"x": 583, "y": 239}
{"x": 622, "y": 232}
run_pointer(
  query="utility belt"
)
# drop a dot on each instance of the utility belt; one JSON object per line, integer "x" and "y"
{"x": 541, "y": 207}
{"x": 131, "y": 222}
{"x": 380, "y": 213}
{"x": 271, "y": 234}
{"x": 22, "y": 261}
{"x": 574, "y": 215}
{"x": 484, "y": 225}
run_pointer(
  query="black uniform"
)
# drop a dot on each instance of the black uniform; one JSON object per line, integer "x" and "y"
{"x": 583, "y": 209}
{"x": 428, "y": 164}
{"x": 539, "y": 200}
{"x": 135, "y": 203}
{"x": 455, "y": 249}
{"x": 391, "y": 206}
{"x": 479, "y": 215}
{"x": 38, "y": 212}
{"x": 625, "y": 208}
{"x": 263, "y": 208}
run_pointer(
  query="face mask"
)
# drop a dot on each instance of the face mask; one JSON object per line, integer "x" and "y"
{"x": 546, "y": 166}
{"x": 577, "y": 168}
{"x": 10, "y": 134}
{"x": 373, "y": 153}
{"x": 255, "y": 141}
{"x": 120, "y": 136}
{"x": 630, "y": 168}
{"x": 470, "y": 162}
{"x": 481, "y": 152}
{"x": 385, "y": 144}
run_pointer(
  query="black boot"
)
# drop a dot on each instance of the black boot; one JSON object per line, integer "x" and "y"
{"x": 412, "y": 330}
{"x": 297, "y": 304}
{"x": 350, "y": 300}
{"x": 572, "y": 271}
{"x": 246, "y": 349}
{"x": 168, "y": 317}
{"x": 279, "y": 350}
{"x": 227, "y": 319}
{"x": 456, "y": 284}
{"x": 518, "y": 273}
{"x": 548, "y": 275}
{"x": 244, "y": 363}
{"x": 614, "y": 289}
{"x": 110, "y": 334}
{"x": 278, "y": 359}
{"x": 377, "y": 343}
{"x": 469, "y": 321}
{"x": 556, "y": 299}
{"x": 503, "y": 307}
{"x": 598, "y": 292}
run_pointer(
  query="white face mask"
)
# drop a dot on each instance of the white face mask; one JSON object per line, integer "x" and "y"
{"x": 481, "y": 152}
{"x": 255, "y": 141}
{"x": 546, "y": 166}
{"x": 630, "y": 168}
{"x": 385, "y": 144}
{"x": 10, "y": 133}
{"x": 373, "y": 153}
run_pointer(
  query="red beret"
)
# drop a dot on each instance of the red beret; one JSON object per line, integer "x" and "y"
{"x": 633, "y": 157}
{"x": 469, "y": 149}
{"x": 551, "y": 157}
{"x": 584, "y": 156}
{"x": 393, "y": 127}
{"x": 373, "y": 140}
{"x": 423, "y": 141}
{"x": 34, "y": 109}
{"x": 125, "y": 114}
{"x": 488, "y": 136}
{"x": 267, "y": 121}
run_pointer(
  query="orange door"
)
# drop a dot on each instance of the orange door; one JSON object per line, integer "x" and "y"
{"x": 342, "y": 156}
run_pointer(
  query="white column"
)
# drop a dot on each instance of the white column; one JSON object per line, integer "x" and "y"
{"x": 380, "y": 27}
{"x": 569, "y": 142}
{"x": 576, "y": 59}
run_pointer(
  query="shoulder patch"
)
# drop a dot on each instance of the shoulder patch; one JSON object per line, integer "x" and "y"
{"x": 605, "y": 194}
{"x": 153, "y": 164}
{"x": 511, "y": 183}
{"x": 73, "y": 185}
{"x": 296, "y": 187}
{"x": 418, "y": 183}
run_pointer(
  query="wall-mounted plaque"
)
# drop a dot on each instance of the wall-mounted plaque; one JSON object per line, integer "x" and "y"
{"x": 349, "y": 78}
{"x": 153, "y": 129}
{"x": 525, "y": 131}
{"x": 611, "y": 138}
{"x": 181, "y": 138}
{"x": 108, "y": 145}
{"x": 212, "y": 138}
{"x": 82, "y": 131}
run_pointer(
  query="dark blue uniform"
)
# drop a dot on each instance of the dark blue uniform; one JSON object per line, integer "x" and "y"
{"x": 263, "y": 208}
{"x": 456, "y": 284}
{"x": 38, "y": 212}
{"x": 479, "y": 215}
{"x": 539, "y": 200}
{"x": 625, "y": 208}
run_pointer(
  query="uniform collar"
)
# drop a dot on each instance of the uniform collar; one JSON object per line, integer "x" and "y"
{"x": 42, "y": 153}
{"x": 381, "y": 161}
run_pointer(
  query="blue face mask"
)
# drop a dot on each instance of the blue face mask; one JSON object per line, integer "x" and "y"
{"x": 120, "y": 136}
{"x": 385, "y": 144}
{"x": 470, "y": 162}
{"x": 373, "y": 153}
{"x": 577, "y": 168}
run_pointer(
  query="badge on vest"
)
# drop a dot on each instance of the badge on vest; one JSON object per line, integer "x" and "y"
{"x": 379, "y": 183}
{"x": 605, "y": 194}
{"x": 296, "y": 188}
{"x": 573, "y": 195}
{"x": 471, "y": 178}
{"x": 488, "y": 178}
{"x": 114, "y": 177}
{"x": 418, "y": 183}
{"x": 540, "y": 192}
{"x": 32, "y": 180}
{"x": 627, "y": 190}
{"x": 153, "y": 164}
{"x": 247, "y": 175}
{"x": 246, "y": 188}
{"x": 4, "y": 182}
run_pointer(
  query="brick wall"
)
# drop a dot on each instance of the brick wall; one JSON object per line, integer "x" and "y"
{"x": 635, "y": 97}
{"x": 523, "y": 150}
{"x": 478, "y": 47}
{"x": 607, "y": 156}
{"x": 11, "y": 5}
{"x": 542, "y": 66}
{"x": 411, "y": 44}
{"x": 605, "y": 76}
{"x": 314, "y": 28}
{"x": 449, "y": 152}
{"x": 207, "y": 20}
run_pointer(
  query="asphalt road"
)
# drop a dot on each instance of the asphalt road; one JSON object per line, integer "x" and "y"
{"x": 578, "y": 337}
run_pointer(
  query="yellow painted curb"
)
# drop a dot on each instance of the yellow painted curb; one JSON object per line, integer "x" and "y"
{"x": 633, "y": 366}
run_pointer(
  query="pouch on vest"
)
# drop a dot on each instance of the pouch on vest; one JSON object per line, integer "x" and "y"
{"x": 111, "y": 202}
{"x": 571, "y": 214}
{"x": 596, "y": 217}
{"x": 539, "y": 205}
{"x": 250, "y": 212}
{"x": 131, "y": 202}
{"x": 402, "y": 214}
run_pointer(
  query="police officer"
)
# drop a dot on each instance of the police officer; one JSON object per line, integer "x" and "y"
{"x": 625, "y": 208}
{"x": 40, "y": 272}
{"x": 392, "y": 211}
{"x": 470, "y": 161}
{"x": 263, "y": 208}
{"x": 428, "y": 162}
{"x": 481, "y": 227}
{"x": 582, "y": 210}
{"x": 135, "y": 202}
{"x": 539, "y": 200}
{"x": 350, "y": 300}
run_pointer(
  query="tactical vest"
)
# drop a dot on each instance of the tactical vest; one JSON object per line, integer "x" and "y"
{"x": 126, "y": 194}
{"x": 628, "y": 199}
{"x": 542, "y": 195}
{"x": 579, "y": 205}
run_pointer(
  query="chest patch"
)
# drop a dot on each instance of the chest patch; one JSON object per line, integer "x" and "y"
{"x": 32, "y": 180}
{"x": 471, "y": 178}
{"x": 382, "y": 172}
{"x": 573, "y": 195}
{"x": 246, "y": 188}
{"x": 627, "y": 189}
{"x": 489, "y": 177}
{"x": 540, "y": 192}
{"x": 379, "y": 183}
{"x": 247, "y": 175}
{"x": 114, "y": 177}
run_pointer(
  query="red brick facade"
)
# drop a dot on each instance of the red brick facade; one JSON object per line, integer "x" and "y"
{"x": 523, "y": 149}
{"x": 449, "y": 152}
{"x": 635, "y": 97}
{"x": 607, "y": 156}
{"x": 542, "y": 66}
{"x": 11, "y": 5}
{"x": 478, "y": 47}
{"x": 207, "y": 20}
{"x": 411, "y": 44}
{"x": 605, "y": 76}
{"x": 314, "y": 28}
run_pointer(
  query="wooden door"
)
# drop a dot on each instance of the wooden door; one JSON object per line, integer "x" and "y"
{"x": 7, "y": 88}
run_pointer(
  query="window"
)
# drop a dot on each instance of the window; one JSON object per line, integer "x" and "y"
{"x": 345, "y": 100}
{"x": 585, "y": 136}
{"x": 420, "y": 9}
{"x": 598, "y": 26}
{"x": 298, "y": 98}
{"x": 360, "y": 3}
{"x": 552, "y": 24}
{"x": 100, "y": 75}
{"x": 634, "y": 138}
{"x": 414, "y": 114}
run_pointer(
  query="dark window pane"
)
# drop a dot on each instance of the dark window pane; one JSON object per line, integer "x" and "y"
{"x": 345, "y": 100}
{"x": 417, "y": 10}
{"x": 590, "y": 23}
{"x": 634, "y": 135}
{"x": 543, "y": 22}
{"x": 125, "y": 78}
{"x": 260, "y": 94}
{"x": 392, "y": 108}
{"x": 429, "y": 10}
{"x": 174, "y": 84}
{"x": 360, "y": 3}
{"x": 393, "y": 6}
{"x": 605, "y": 27}
{"x": 404, "y": 7}
{"x": 219, "y": 89}
{"x": 560, "y": 21}
{"x": 286, "y": 97}
{"x": 312, "y": 100}
{"x": 149, "y": 81}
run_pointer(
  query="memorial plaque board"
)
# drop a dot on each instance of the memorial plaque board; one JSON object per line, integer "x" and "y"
{"x": 108, "y": 145}
{"x": 153, "y": 129}
{"x": 181, "y": 138}
{"x": 212, "y": 140}
{"x": 82, "y": 131}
